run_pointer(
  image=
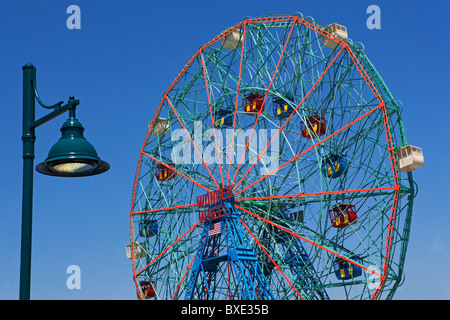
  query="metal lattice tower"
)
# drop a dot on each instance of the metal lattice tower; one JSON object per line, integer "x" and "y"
{"x": 225, "y": 249}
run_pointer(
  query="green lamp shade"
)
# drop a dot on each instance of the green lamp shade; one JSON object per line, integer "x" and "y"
{"x": 72, "y": 155}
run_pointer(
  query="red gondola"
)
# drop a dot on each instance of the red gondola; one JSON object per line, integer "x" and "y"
{"x": 314, "y": 124}
{"x": 343, "y": 215}
{"x": 163, "y": 173}
{"x": 148, "y": 289}
{"x": 253, "y": 103}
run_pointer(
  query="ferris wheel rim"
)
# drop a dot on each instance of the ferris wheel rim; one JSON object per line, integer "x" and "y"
{"x": 317, "y": 29}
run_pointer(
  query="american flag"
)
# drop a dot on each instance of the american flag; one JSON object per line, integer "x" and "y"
{"x": 214, "y": 229}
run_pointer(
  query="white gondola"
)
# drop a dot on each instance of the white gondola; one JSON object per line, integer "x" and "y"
{"x": 336, "y": 30}
{"x": 409, "y": 158}
{"x": 139, "y": 251}
{"x": 232, "y": 40}
{"x": 160, "y": 128}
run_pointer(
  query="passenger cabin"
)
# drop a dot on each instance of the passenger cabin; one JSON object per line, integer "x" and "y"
{"x": 253, "y": 103}
{"x": 291, "y": 211}
{"x": 282, "y": 107}
{"x": 315, "y": 126}
{"x": 298, "y": 216}
{"x": 336, "y": 30}
{"x": 334, "y": 165}
{"x": 296, "y": 260}
{"x": 148, "y": 228}
{"x": 138, "y": 248}
{"x": 345, "y": 270}
{"x": 148, "y": 289}
{"x": 343, "y": 215}
{"x": 409, "y": 158}
{"x": 160, "y": 128}
{"x": 232, "y": 40}
{"x": 223, "y": 118}
{"x": 163, "y": 173}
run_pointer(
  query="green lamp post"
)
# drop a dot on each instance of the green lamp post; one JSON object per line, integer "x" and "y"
{"x": 71, "y": 156}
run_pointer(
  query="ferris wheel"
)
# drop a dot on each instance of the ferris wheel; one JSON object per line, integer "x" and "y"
{"x": 272, "y": 170}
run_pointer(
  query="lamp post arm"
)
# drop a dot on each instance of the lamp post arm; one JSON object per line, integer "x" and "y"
{"x": 58, "y": 110}
{"x": 36, "y": 94}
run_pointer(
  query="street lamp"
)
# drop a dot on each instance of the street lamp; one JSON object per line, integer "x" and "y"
{"x": 71, "y": 156}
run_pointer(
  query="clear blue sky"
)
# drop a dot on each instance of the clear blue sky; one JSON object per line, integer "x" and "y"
{"x": 119, "y": 64}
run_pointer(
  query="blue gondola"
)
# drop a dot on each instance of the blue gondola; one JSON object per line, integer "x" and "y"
{"x": 148, "y": 228}
{"x": 334, "y": 165}
{"x": 282, "y": 107}
{"x": 223, "y": 118}
{"x": 292, "y": 212}
{"x": 296, "y": 260}
{"x": 345, "y": 270}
